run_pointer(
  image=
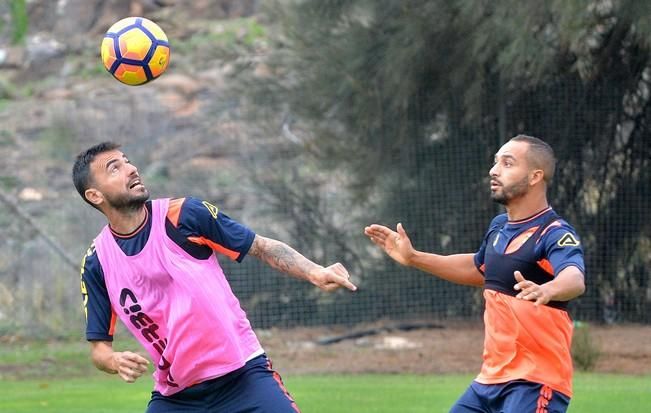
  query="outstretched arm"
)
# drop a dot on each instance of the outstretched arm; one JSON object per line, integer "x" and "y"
{"x": 129, "y": 366}
{"x": 568, "y": 284}
{"x": 458, "y": 268}
{"x": 286, "y": 259}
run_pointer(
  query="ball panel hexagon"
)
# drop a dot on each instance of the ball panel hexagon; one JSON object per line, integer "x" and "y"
{"x": 154, "y": 29}
{"x": 130, "y": 74}
{"x": 159, "y": 60}
{"x": 108, "y": 52}
{"x": 124, "y": 23}
{"x": 134, "y": 44}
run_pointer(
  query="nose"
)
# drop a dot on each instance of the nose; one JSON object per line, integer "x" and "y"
{"x": 134, "y": 170}
{"x": 494, "y": 171}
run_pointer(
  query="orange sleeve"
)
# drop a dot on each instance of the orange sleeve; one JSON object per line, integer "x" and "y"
{"x": 233, "y": 255}
{"x": 547, "y": 266}
{"x": 174, "y": 211}
{"x": 114, "y": 319}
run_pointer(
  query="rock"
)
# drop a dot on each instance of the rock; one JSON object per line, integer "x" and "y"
{"x": 57, "y": 94}
{"x": 41, "y": 47}
{"x": 262, "y": 70}
{"x": 30, "y": 194}
{"x": 12, "y": 57}
{"x": 185, "y": 85}
{"x": 396, "y": 343}
{"x": 76, "y": 16}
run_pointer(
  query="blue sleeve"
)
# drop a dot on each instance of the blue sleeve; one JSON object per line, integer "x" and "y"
{"x": 562, "y": 248}
{"x": 203, "y": 223}
{"x": 97, "y": 306}
{"x": 479, "y": 256}
{"x": 497, "y": 223}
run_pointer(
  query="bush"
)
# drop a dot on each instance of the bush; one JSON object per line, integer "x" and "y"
{"x": 585, "y": 351}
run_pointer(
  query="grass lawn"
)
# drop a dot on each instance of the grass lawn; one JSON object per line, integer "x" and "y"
{"x": 57, "y": 376}
{"x": 317, "y": 394}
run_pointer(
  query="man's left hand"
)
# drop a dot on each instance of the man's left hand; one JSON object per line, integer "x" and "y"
{"x": 530, "y": 291}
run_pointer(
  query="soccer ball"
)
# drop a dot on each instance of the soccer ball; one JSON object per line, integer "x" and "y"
{"x": 135, "y": 51}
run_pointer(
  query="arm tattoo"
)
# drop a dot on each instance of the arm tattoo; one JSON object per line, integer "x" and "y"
{"x": 281, "y": 256}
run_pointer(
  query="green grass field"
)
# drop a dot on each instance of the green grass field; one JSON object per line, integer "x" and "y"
{"x": 57, "y": 376}
{"x": 317, "y": 394}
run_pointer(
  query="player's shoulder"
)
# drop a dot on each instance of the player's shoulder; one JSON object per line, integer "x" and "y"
{"x": 194, "y": 205}
{"x": 186, "y": 208}
{"x": 174, "y": 210}
{"x": 560, "y": 232}
{"x": 191, "y": 212}
{"x": 91, "y": 252}
{"x": 496, "y": 224}
{"x": 90, "y": 264}
{"x": 498, "y": 221}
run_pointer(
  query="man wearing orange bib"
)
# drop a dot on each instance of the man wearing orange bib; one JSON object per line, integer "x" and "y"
{"x": 530, "y": 264}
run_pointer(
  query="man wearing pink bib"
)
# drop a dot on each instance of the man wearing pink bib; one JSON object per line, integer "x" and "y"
{"x": 154, "y": 267}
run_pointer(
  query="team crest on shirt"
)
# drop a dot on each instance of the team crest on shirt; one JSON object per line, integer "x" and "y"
{"x": 568, "y": 240}
{"x": 211, "y": 208}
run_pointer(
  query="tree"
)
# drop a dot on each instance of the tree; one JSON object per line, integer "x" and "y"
{"x": 409, "y": 100}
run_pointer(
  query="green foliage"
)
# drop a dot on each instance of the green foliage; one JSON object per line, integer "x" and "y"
{"x": 8, "y": 182}
{"x": 7, "y": 139}
{"x": 58, "y": 141}
{"x": 20, "y": 21}
{"x": 92, "y": 71}
{"x": 7, "y": 90}
{"x": 220, "y": 39}
{"x": 585, "y": 349}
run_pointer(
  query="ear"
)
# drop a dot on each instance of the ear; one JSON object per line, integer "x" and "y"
{"x": 535, "y": 176}
{"x": 94, "y": 196}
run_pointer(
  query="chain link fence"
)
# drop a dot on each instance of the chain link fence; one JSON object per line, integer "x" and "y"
{"x": 438, "y": 190}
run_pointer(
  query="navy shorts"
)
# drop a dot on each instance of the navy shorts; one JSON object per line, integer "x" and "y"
{"x": 253, "y": 388}
{"x": 518, "y": 396}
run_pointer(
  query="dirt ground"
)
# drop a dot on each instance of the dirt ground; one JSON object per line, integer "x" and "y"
{"x": 450, "y": 348}
{"x": 457, "y": 348}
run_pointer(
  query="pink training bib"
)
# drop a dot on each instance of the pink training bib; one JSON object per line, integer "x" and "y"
{"x": 181, "y": 309}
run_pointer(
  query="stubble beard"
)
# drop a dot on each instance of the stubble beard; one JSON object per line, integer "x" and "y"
{"x": 513, "y": 191}
{"x": 128, "y": 203}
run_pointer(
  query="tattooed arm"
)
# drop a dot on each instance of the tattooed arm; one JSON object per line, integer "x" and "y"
{"x": 286, "y": 259}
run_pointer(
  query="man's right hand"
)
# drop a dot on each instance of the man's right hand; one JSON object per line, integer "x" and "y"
{"x": 396, "y": 244}
{"x": 129, "y": 366}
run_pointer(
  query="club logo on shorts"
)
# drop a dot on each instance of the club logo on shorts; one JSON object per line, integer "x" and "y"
{"x": 568, "y": 240}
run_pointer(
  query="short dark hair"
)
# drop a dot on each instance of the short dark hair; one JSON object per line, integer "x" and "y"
{"x": 81, "y": 176}
{"x": 540, "y": 154}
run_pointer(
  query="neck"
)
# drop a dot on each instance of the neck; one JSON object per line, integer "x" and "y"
{"x": 126, "y": 221}
{"x": 527, "y": 206}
